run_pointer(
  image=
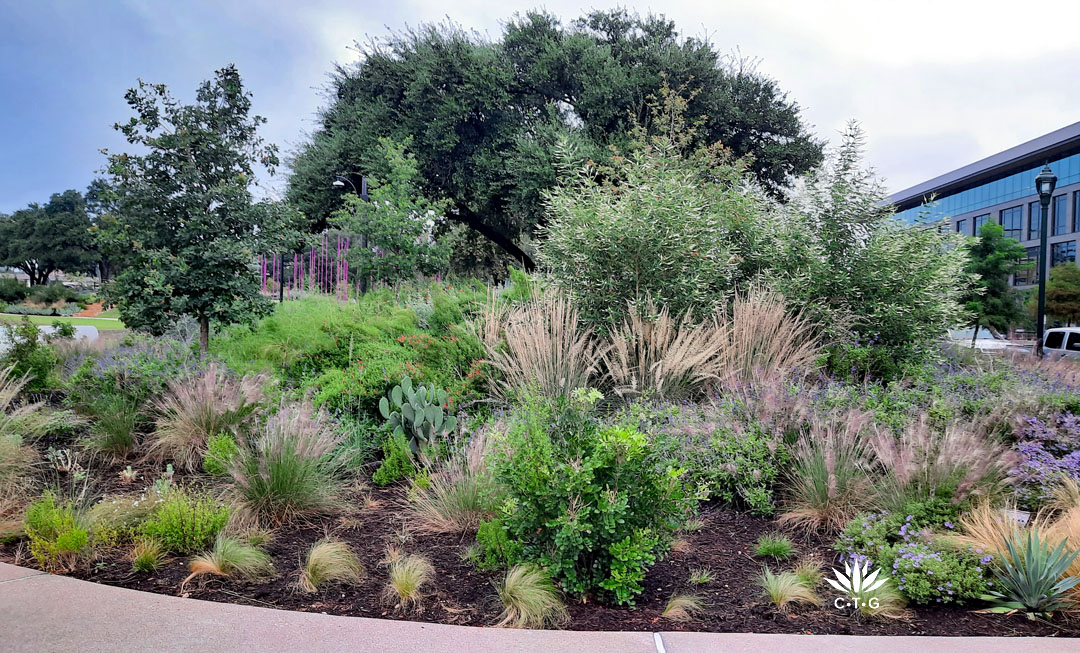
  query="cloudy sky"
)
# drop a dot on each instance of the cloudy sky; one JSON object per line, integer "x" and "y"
{"x": 936, "y": 85}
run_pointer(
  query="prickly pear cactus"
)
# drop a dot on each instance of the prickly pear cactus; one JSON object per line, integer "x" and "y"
{"x": 417, "y": 413}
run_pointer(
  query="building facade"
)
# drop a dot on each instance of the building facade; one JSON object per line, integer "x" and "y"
{"x": 1001, "y": 188}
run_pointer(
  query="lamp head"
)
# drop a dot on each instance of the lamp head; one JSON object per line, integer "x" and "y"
{"x": 1045, "y": 184}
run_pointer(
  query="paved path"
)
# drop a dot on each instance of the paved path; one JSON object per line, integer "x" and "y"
{"x": 41, "y": 612}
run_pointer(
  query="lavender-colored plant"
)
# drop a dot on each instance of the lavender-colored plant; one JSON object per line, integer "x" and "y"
{"x": 1049, "y": 450}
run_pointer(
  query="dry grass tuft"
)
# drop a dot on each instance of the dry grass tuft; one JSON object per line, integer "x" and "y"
{"x": 530, "y": 599}
{"x": 658, "y": 356}
{"x": 683, "y": 607}
{"x": 546, "y": 350}
{"x": 198, "y": 408}
{"x": 146, "y": 554}
{"x": 761, "y": 342}
{"x": 329, "y": 561}
{"x": 409, "y": 574}
{"x": 230, "y": 558}
{"x": 701, "y": 576}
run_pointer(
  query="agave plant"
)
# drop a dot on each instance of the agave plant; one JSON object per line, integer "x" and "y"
{"x": 419, "y": 413}
{"x": 1030, "y": 574}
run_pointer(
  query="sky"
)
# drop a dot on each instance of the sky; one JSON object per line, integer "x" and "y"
{"x": 935, "y": 85}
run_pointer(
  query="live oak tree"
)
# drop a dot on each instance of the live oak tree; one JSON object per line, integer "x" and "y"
{"x": 485, "y": 115}
{"x": 185, "y": 228}
{"x": 40, "y": 240}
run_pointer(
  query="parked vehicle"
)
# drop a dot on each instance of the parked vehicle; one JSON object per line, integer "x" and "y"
{"x": 1062, "y": 342}
{"x": 986, "y": 341}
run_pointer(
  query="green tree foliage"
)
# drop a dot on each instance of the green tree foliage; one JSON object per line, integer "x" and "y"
{"x": 185, "y": 229}
{"x": 1063, "y": 293}
{"x": 849, "y": 265}
{"x": 992, "y": 258}
{"x": 666, "y": 221}
{"x": 40, "y": 240}
{"x": 398, "y": 224}
{"x": 485, "y": 115}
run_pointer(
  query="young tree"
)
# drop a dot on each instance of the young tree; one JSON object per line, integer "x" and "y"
{"x": 40, "y": 240}
{"x": 1063, "y": 293}
{"x": 186, "y": 231}
{"x": 398, "y": 224}
{"x": 849, "y": 265}
{"x": 992, "y": 258}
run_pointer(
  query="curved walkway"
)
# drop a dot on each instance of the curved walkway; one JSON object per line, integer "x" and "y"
{"x": 41, "y": 612}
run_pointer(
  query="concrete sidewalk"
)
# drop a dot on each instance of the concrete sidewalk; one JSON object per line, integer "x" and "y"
{"x": 41, "y": 612}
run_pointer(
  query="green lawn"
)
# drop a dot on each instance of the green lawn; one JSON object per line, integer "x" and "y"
{"x": 101, "y": 324}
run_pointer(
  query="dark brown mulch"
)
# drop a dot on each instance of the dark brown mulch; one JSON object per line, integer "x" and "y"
{"x": 464, "y": 595}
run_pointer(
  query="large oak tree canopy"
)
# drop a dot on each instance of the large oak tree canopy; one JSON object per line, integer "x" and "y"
{"x": 484, "y": 115}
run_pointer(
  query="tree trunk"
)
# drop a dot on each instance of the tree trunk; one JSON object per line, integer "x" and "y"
{"x": 975, "y": 335}
{"x": 473, "y": 221}
{"x": 204, "y": 335}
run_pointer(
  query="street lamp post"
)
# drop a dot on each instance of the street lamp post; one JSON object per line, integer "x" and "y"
{"x": 1045, "y": 184}
{"x": 339, "y": 182}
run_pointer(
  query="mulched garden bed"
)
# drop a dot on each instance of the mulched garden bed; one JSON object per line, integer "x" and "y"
{"x": 463, "y": 595}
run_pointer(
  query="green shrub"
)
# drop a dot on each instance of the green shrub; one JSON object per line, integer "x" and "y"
{"x": 596, "y": 505}
{"x": 186, "y": 521}
{"x": 922, "y": 568}
{"x": 497, "y": 550}
{"x": 12, "y": 290}
{"x": 397, "y": 464}
{"x": 56, "y": 537}
{"x": 220, "y": 450}
{"x": 726, "y": 455}
{"x": 27, "y": 354}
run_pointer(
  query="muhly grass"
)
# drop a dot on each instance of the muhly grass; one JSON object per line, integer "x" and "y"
{"x": 197, "y": 408}
{"x": 288, "y": 469}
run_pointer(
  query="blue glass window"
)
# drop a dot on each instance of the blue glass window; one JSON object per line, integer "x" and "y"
{"x": 1059, "y": 206}
{"x": 1012, "y": 222}
{"x": 1076, "y": 212}
{"x": 961, "y": 227}
{"x": 1034, "y": 220}
{"x": 1063, "y": 253}
{"x": 1029, "y": 272}
{"x": 980, "y": 220}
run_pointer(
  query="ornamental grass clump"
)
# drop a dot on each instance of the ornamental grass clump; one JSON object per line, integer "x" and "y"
{"x": 761, "y": 342}
{"x": 658, "y": 356}
{"x": 329, "y": 561}
{"x": 453, "y": 496}
{"x": 409, "y": 575}
{"x": 774, "y": 545}
{"x": 546, "y": 350}
{"x": 683, "y": 607}
{"x": 146, "y": 554}
{"x": 830, "y": 480}
{"x": 196, "y": 409}
{"x": 288, "y": 468}
{"x": 787, "y": 589}
{"x": 959, "y": 461}
{"x": 113, "y": 428}
{"x": 530, "y": 599}
{"x": 230, "y": 558}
